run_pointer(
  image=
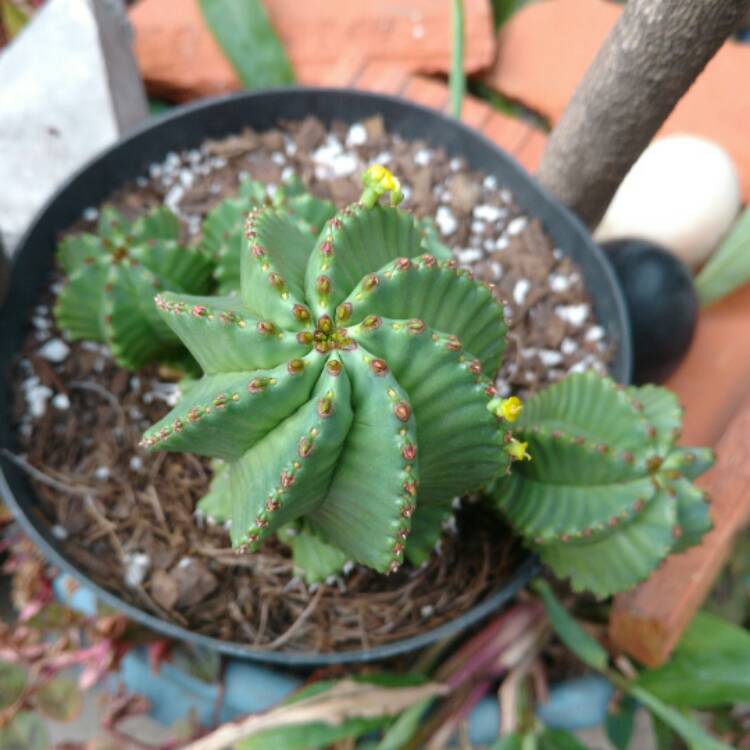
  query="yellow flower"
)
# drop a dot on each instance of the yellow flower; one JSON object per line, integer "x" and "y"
{"x": 517, "y": 450}
{"x": 511, "y": 408}
{"x": 377, "y": 181}
{"x": 508, "y": 408}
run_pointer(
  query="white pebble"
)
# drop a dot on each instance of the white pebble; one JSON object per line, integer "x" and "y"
{"x": 90, "y": 214}
{"x": 348, "y": 567}
{"x": 136, "y": 567}
{"x": 517, "y": 225}
{"x": 278, "y": 158}
{"x": 446, "y": 221}
{"x": 455, "y": 164}
{"x": 488, "y": 213}
{"x": 477, "y": 227}
{"x": 558, "y": 282}
{"x": 102, "y": 473}
{"x": 568, "y": 346}
{"x": 59, "y": 532}
{"x": 422, "y": 157}
{"x": 520, "y": 290}
{"x": 549, "y": 357}
{"x": 136, "y": 463}
{"x": 173, "y": 197}
{"x": 490, "y": 182}
{"x": 427, "y": 610}
{"x": 595, "y": 333}
{"x": 469, "y": 255}
{"x": 287, "y": 173}
{"x": 502, "y": 242}
{"x": 357, "y": 135}
{"x": 573, "y": 314}
{"x": 61, "y": 401}
{"x": 55, "y": 350}
{"x": 37, "y": 398}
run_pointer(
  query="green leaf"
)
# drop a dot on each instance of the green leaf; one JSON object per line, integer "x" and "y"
{"x": 60, "y": 699}
{"x": 223, "y": 416}
{"x": 709, "y": 667}
{"x": 287, "y": 474}
{"x": 691, "y": 732}
{"x": 357, "y": 242}
{"x": 586, "y": 648}
{"x": 317, "y": 735}
{"x": 729, "y": 267}
{"x": 272, "y": 271}
{"x": 457, "y": 81}
{"x": 404, "y": 728}
{"x": 12, "y": 18}
{"x": 445, "y": 298}
{"x": 617, "y": 561}
{"x": 26, "y": 731}
{"x": 509, "y": 742}
{"x": 224, "y": 336}
{"x": 559, "y": 739}
{"x": 365, "y": 512}
{"x": 12, "y": 683}
{"x": 620, "y": 723}
{"x": 249, "y": 41}
{"x": 459, "y": 447}
{"x": 315, "y": 559}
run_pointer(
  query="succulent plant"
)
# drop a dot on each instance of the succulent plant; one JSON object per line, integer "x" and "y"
{"x": 112, "y": 275}
{"x": 345, "y": 387}
{"x": 224, "y": 226}
{"x": 607, "y": 495}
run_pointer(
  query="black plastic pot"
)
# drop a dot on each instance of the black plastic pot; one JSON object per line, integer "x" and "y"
{"x": 187, "y": 128}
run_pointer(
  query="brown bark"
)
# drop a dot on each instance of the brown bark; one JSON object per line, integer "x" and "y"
{"x": 653, "y": 54}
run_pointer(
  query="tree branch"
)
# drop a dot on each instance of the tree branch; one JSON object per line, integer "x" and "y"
{"x": 651, "y": 57}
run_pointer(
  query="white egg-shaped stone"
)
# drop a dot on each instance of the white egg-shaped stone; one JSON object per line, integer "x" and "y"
{"x": 683, "y": 193}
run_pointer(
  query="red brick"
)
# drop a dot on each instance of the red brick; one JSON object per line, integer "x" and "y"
{"x": 507, "y": 132}
{"x": 424, "y": 91}
{"x": 179, "y": 58}
{"x": 475, "y": 113}
{"x": 385, "y": 78}
{"x": 544, "y": 50}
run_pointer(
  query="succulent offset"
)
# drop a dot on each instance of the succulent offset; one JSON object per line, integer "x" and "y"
{"x": 607, "y": 495}
{"x": 346, "y": 387}
{"x": 224, "y": 226}
{"x": 112, "y": 276}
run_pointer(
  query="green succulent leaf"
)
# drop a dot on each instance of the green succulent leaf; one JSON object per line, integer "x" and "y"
{"x": 112, "y": 277}
{"x": 353, "y": 245}
{"x": 315, "y": 559}
{"x": 287, "y": 474}
{"x": 273, "y": 269}
{"x": 224, "y": 415}
{"x": 224, "y": 336}
{"x": 441, "y": 295}
{"x": 367, "y": 512}
{"x": 460, "y": 450}
{"x": 603, "y": 500}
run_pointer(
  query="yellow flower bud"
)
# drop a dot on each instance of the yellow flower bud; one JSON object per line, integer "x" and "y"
{"x": 517, "y": 450}
{"x": 511, "y": 408}
{"x": 508, "y": 409}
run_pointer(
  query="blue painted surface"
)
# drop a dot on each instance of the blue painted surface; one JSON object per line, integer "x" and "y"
{"x": 576, "y": 704}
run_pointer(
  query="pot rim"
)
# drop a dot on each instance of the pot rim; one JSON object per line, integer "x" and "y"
{"x": 532, "y": 199}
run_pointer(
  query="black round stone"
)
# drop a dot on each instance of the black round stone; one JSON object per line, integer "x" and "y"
{"x": 662, "y": 305}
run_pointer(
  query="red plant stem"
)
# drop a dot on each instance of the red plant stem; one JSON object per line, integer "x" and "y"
{"x": 483, "y": 650}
